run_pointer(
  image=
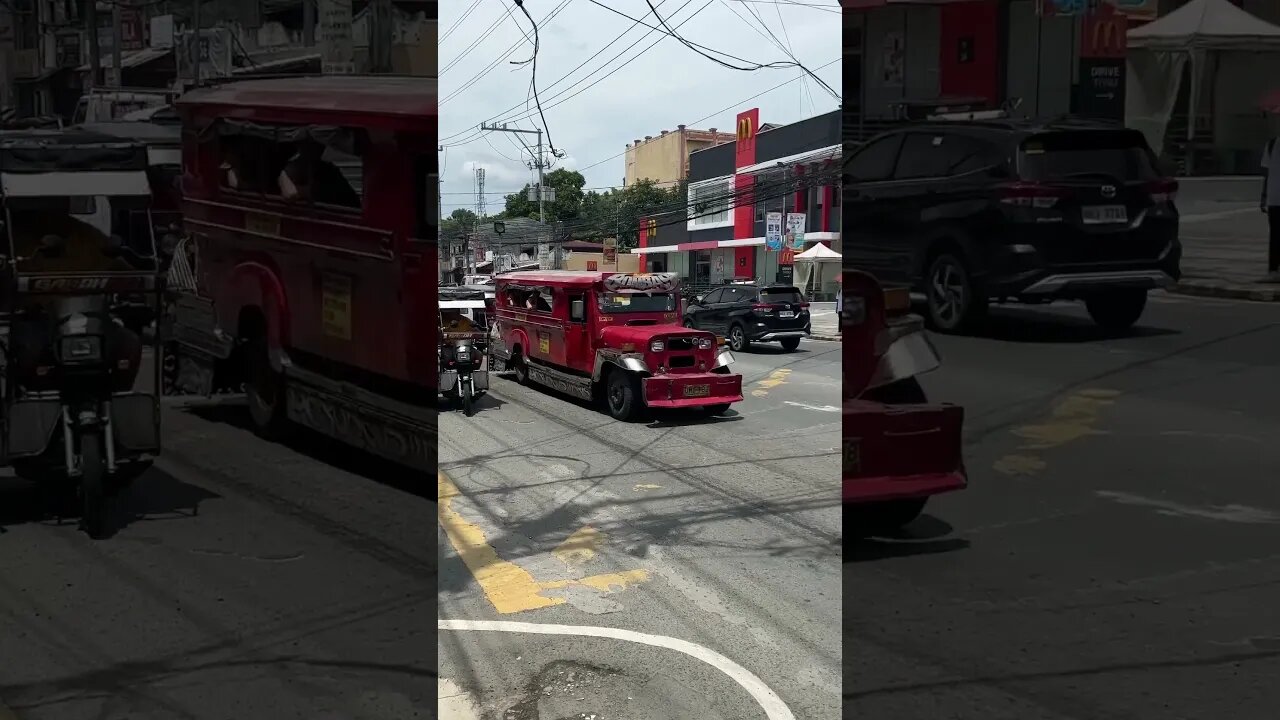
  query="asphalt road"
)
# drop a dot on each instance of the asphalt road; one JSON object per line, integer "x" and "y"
{"x": 666, "y": 570}
{"x": 1118, "y": 553}
{"x": 300, "y": 589}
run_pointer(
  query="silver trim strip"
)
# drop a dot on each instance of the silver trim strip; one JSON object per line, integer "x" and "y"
{"x": 908, "y": 356}
{"x": 782, "y": 335}
{"x": 1054, "y": 283}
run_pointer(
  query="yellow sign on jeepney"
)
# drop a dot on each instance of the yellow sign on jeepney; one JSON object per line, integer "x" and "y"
{"x": 262, "y": 224}
{"x": 335, "y": 306}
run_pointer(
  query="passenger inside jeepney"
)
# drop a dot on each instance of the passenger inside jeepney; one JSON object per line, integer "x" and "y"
{"x": 308, "y": 176}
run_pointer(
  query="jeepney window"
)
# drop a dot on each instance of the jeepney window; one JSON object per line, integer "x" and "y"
{"x": 535, "y": 299}
{"x": 296, "y": 164}
{"x": 633, "y": 301}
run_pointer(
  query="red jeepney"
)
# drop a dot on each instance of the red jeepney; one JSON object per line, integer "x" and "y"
{"x": 312, "y": 204}
{"x": 899, "y": 449}
{"x": 610, "y": 336}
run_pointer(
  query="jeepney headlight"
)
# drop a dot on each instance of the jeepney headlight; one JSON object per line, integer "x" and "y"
{"x": 704, "y": 343}
{"x": 83, "y": 348}
{"x": 657, "y": 346}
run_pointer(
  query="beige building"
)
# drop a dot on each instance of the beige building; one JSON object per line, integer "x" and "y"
{"x": 664, "y": 158}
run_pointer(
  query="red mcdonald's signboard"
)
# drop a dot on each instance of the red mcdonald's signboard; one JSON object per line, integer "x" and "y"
{"x": 1104, "y": 34}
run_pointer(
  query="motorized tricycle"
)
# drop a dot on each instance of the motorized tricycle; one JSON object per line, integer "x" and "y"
{"x": 464, "y": 350}
{"x": 77, "y": 233}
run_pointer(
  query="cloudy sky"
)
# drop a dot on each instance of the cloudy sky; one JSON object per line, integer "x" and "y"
{"x": 625, "y": 89}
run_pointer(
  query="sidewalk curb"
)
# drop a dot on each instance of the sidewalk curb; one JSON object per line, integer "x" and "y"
{"x": 825, "y": 336}
{"x": 1219, "y": 289}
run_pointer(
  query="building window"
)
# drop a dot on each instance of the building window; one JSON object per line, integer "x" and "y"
{"x": 710, "y": 202}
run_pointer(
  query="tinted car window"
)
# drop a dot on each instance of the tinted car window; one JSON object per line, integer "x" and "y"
{"x": 732, "y": 295}
{"x": 875, "y": 160}
{"x": 1120, "y": 155}
{"x": 967, "y": 155}
{"x": 774, "y": 296}
{"x": 937, "y": 155}
{"x": 713, "y": 296}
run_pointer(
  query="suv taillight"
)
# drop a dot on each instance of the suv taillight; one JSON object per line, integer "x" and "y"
{"x": 763, "y": 308}
{"x": 1031, "y": 195}
{"x": 1163, "y": 191}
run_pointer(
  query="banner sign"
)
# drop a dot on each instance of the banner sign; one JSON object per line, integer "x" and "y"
{"x": 333, "y": 33}
{"x": 773, "y": 231}
{"x": 795, "y": 231}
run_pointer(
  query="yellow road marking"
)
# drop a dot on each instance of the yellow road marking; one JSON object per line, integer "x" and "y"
{"x": 509, "y": 587}
{"x": 776, "y": 378}
{"x": 1072, "y": 419}
{"x": 579, "y": 547}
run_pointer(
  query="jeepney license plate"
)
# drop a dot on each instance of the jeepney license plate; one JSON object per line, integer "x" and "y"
{"x": 852, "y": 455}
{"x": 786, "y": 313}
{"x": 1104, "y": 214}
{"x": 693, "y": 391}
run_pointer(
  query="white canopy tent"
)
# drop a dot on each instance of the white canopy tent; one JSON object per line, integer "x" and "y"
{"x": 1213, "y": 36}
{"x": 814, "y": 265}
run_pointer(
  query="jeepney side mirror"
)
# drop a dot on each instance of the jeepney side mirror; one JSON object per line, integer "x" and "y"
{"x": 578, "y": 310}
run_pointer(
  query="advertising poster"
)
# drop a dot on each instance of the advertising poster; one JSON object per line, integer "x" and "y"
{"x": 773, "y": 231}
{"x": 893, "y": 56}
{"x": 795, "y": 231}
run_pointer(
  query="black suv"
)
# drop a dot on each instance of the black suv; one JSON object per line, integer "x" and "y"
{"x": 751, "y": 313}
{"x": 972, "y": 212}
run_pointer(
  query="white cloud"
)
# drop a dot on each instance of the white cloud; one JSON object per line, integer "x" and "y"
{"x": 646, "y": 93}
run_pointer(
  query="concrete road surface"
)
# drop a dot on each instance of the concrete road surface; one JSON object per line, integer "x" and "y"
{"x": 300, "y": 589}
{"x": 681, "y": 568}
{"x": 1117, "y": 556}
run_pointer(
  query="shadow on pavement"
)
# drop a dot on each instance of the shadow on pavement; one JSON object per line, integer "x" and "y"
{"x": 928, "y": 535}
{"x": 326, "y": 450}
{"x": 1028, "y": 325}
{"x": 153, "y": 496}
{"x": 484, "y": 403}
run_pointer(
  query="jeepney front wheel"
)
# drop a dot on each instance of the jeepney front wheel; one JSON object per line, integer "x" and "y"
{"x": 622, "y": 395}
{"x": 264, "y": 391}
{"x": 884, "y": 517}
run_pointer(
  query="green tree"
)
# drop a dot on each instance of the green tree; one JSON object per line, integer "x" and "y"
{"x": 459, "y": 222}
{"x": 617, "y": 213}
{"x": 567, "y": 206}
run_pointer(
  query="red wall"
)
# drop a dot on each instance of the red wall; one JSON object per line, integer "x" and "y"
{"x": 980, "y": 77}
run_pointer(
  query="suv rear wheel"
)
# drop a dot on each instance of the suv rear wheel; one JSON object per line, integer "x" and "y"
{"x": 738, "y": 338}
{"x": 1117, "y": 310}
{"x": 954, "y": 302}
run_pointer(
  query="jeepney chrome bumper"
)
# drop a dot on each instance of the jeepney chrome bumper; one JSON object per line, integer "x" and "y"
{"x": 682, "y": 390}
{"x": 724, "y": 358}
{"x": 910, "y": 353}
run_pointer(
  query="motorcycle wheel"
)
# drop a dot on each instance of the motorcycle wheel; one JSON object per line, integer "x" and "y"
{"x": 93, "y": 475}
{"x": 468, "y": 399}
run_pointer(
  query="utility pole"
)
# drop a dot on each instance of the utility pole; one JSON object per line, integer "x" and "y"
{"x": 309, "y": 23}
{"x": 539, "y": 163}
{"x": 381, "y": 33}
{"x": 91, "y": 29}
{"x": 117, "y": 67}
{"x": 195, "y": 43}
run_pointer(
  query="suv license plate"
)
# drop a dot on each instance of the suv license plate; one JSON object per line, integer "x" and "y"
{"x": 1104, "y": 214}
{"x": 696, "y": 391}
{"x": 786, "y": 313}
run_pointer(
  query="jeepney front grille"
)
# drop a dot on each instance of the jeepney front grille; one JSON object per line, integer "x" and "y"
{"x": 680, "y": 344}
{"x": 682, "y": 361}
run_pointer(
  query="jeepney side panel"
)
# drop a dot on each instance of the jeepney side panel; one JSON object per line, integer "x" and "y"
{"x": 336, "y": 269}
{"x": 539, "y": 333}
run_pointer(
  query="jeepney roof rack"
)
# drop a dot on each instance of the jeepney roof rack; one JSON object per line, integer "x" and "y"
{"x": 72, "y": 149}
{"x": 249, "y": 77}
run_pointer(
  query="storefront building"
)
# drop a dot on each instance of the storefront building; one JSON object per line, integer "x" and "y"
{"x": 723, "y": 237}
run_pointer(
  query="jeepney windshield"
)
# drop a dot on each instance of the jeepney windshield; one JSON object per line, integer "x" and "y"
{"x": 623, "y": 302}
